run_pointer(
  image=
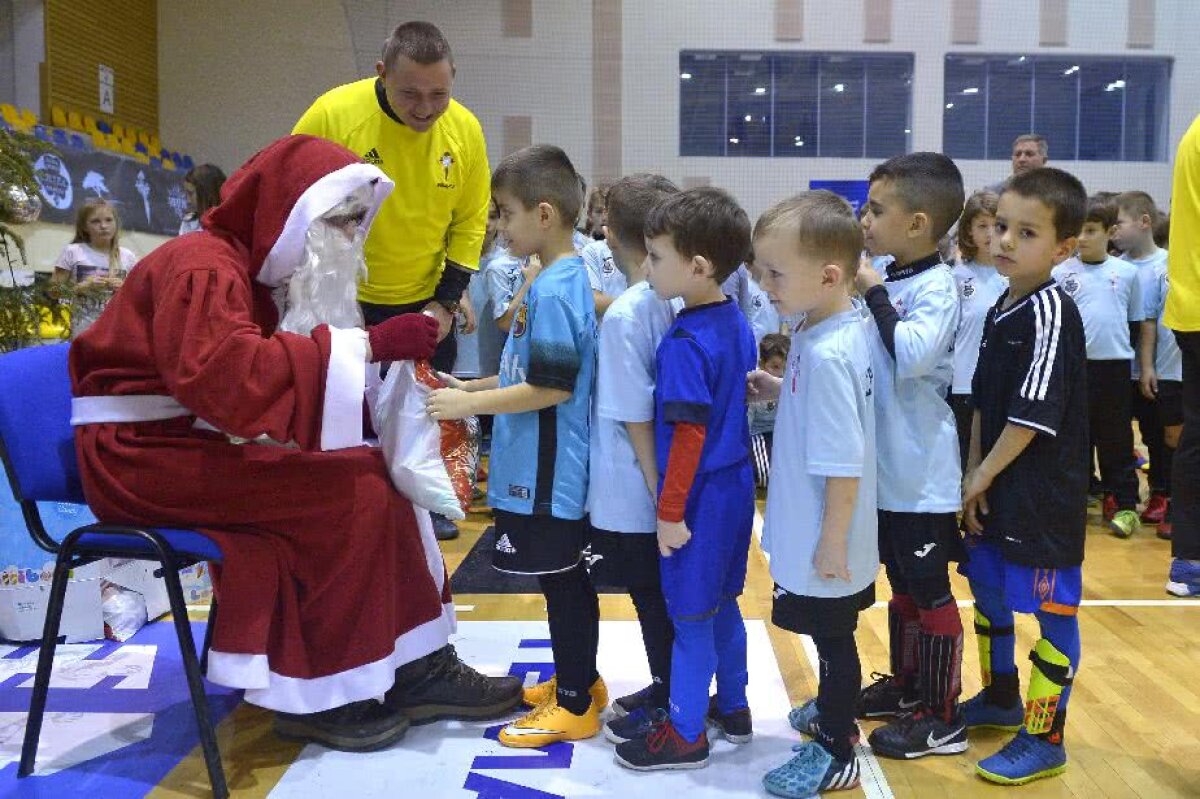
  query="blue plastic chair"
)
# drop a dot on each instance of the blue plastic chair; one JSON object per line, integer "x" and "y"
{"x": 37, "y": 446}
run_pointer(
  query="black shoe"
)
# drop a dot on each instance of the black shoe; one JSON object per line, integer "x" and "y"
{"x": 357, "y": 727}
{"x": 884, "y": 697}
{"x": 625, "y": 705}
{"x": 440, "y": 686}
{"x": 443, "y": 528}
{"x": 736, "y": 727}
{"x": 663, "y": 748}
{"x": 918, "y": 734}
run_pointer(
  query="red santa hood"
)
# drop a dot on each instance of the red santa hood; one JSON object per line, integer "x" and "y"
{"x": 269, "y": 203}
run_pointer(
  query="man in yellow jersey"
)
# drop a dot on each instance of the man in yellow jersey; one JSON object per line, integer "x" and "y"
{"x": 1182, "y": 315}
{"x": 426, "y": 240}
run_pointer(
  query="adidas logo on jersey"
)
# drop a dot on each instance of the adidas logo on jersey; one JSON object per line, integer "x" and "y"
{"x": 372, "y": 157}
{"x": 505, "y": 546}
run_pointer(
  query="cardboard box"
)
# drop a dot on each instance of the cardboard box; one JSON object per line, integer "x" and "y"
{"x": 23, "y": 604}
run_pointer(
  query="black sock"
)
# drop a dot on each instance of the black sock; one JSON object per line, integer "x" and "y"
{"x": 573, "y": 611}
{"x": 658, "y": 635}
{"x": 1005, "y": 690}
{"x": 837, "y": 693}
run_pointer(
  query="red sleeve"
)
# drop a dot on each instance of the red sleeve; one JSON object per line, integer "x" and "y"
{"x": 684, "y": 460}
{"x": 214, "y": 359}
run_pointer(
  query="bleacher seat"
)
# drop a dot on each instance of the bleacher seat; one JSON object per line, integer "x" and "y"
{"x": 58, "y": 117}
{"x": 43, "y": 133}
{"x": 119, "y": 130}
{"x": 103, "y": 126}
{"x": 89, "y": 123}
{"x": 59, "y": 137}
{"x": 98, "y": 140}
{"x": 188, "y": 163}
{"x": 127, "y": 146}
{"x": 10, "y": 115}
{"x": 75, "y": 121}
{"x": 78, "y": 142}
{"x": 28, "y": 118}
{"x": 141, "y": 148}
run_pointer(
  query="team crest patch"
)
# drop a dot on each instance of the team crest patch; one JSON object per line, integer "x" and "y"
{"x": 446, "y": 162}
{"x": 1071, "y": 284}
{"x": 520, "y": 321}
{"x": 968, "y": 288}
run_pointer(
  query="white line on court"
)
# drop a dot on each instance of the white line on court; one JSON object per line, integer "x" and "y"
{"x": 1102, "y": 603}
{"x": 874, "y": 784}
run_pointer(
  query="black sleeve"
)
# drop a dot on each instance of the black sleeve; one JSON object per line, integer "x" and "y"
{"x": 453, "y": 283}
{"x": 885, "y": 316}
{"x": 1039, "y": 401}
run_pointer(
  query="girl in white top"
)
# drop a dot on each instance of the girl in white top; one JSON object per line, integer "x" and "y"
{"x": 979, "y": 286}
{"x": 94, "y": 261}
{"x": 202, "y": 187}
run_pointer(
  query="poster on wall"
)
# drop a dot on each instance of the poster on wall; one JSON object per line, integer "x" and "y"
{"x": 148, "y": 199}
{"x": 854, "y": 191}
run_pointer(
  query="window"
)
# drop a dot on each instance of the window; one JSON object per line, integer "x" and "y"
{"x": 794, "y": 105}
{"x": 1089, "y": 109}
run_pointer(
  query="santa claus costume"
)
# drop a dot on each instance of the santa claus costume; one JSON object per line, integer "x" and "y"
{"x": 332, "y": 591}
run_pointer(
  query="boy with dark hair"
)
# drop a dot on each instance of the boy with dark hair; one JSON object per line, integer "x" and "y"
{"x": 913, "y": 200}
{"x": 538, "y": 473}
{"x": 1025, "y": 494}
{"x": 821, "y": 522}
{"x": 772, "y": 359}
{"x": 1157, "y": 394}
{"x": 695, "y": 240}
{"x": 623, "y": 480}
{"x": 1108, "y": 293}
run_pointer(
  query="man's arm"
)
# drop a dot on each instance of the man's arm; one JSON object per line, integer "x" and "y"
{"x": 464, "y": 239}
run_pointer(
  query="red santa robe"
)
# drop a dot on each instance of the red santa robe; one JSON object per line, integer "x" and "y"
{"x": 331, "y": 579}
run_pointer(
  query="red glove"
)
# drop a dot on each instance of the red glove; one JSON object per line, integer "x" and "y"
{"x": 407, "y": 337}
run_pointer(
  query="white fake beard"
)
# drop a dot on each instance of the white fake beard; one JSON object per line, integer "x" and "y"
{"x": 324, "y": 290}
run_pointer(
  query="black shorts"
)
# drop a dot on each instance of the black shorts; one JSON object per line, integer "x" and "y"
{"x": 1170, "y": 403}
{"x": 624, "y": 560}
{"x": 819, "y": 615}
{"x": 917, "y": 545}
{"x": 537, "y": 544}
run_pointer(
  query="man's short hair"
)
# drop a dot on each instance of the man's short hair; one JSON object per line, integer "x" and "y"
{"x": 821, "y": 224}
{"x": 1038, "y": 139}
{"x": 773, "y": 345}
{"x": 1102, "y": 211}
{"x": 541, "y": 173}
{"x": 421, "y": 42}
{"x": 704, "y": 221}
{"x": 1059, "y": 191}
{"x": 1137, "y": 204}
{"x": 629, "y": 202}
{"x": 927, "y": 183}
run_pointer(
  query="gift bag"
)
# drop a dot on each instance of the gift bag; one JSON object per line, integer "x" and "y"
{"x": 412, "y": 442}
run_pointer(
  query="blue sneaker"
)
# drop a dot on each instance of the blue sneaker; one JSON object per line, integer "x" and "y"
{"x": 1185, "y": 578}
{"x": 635, "y": 724}
{"x": 811, "y": 771}
{"x": 807, "y": 719}
{"x": 980, "y": 713}
{"x": 1023, "y": 759}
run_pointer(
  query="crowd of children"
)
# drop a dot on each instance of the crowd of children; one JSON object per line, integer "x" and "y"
{"x": 922, "y": 414}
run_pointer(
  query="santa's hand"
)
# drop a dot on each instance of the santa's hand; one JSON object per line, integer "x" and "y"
{"x": 407, "y": 337}
{"x": 449, "y": 403}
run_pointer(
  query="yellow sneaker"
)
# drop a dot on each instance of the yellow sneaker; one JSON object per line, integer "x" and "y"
{"x": 549, "y": 723}
{"x": 543, "y": 692}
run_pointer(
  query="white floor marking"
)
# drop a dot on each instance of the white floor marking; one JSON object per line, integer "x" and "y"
{"x": 874, "y": 784}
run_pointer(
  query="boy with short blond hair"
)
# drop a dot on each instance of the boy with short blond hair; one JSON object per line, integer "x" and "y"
{"x": 821, "y": 527}
{"x": 695, "y": 240}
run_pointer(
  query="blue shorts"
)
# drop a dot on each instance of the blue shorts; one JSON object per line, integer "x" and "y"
{"x": 1026, "y": 589}
{"x": 711, "y": 567}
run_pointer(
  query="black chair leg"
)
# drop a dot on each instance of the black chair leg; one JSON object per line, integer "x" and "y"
{"x": 191, "y": 666}
{"x": 209, "y": 626}
{"x": 41, "y": 682}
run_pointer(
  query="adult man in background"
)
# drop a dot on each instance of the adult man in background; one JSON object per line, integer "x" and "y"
{"x": 1029, "y": 151}
{"x": 426, "y": 240}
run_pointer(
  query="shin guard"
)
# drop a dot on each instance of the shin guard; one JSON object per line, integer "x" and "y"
{"x": 1052, "y": 673}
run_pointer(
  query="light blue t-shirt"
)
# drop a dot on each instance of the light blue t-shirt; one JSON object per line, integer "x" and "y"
{"x": 825, "y": 428}
{"x": 1146, "y": 279}
{"x": 479, "y": 352}
{"x": 917, "y": 444}
{"x": 539, "y": 462}
{"x": 1168, "y": 360}
{"x": 603, "y": 274}
{"x": 618, "y": 498}
{"x": 1109, "y": 297}
{"x": 978, "y": 289}
{"x": 753, "y": 302}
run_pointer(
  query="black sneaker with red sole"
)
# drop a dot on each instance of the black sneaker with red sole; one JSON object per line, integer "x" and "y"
{"x": 663, "y": 748}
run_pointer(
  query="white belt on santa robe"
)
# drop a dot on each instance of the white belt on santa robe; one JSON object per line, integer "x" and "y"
{"x": 252, "y": 672}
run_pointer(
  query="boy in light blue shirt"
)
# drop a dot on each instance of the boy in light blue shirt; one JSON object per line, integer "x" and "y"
{"x": 623, "y": 480}
{"x": 539, "y": 466}
{"x": 1134, "y": 235}
{"x": 1108, "y": 292}
{"x": 821, "y": 528}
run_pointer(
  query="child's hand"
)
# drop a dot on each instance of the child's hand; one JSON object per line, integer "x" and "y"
{"x": 449, "y": 403}
{"x": 1149, "y": 383}
{"x": 829, "y": 560}
{"x": 975, "y": 502}
{"x": 453, "y": 382}
{"x": 762, "y": 386}
{"x": 532, "y": 267}
{"x": 867, "y": 278}
{"x": 672, "y": 536}
{"x": 466, "y": 310}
